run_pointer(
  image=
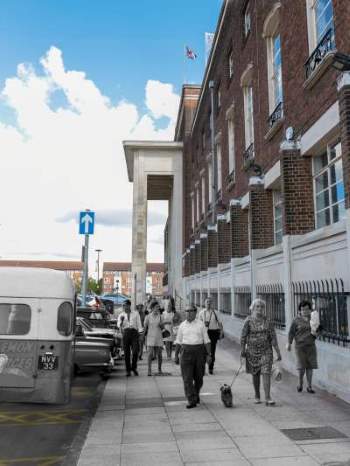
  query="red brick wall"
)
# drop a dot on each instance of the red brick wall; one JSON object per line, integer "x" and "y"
{"x": 212, "y": 248}
{"x": 204, "y": 253}
{"x": 297, "y": 193}
{"x": 224, "y": 241}
{"x": 260, "y": 217}
{"x": 344, "y": 106}
{"x": 239, "y": 231}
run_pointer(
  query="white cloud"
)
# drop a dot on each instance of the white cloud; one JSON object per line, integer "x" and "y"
{"x": 70, "y": 158}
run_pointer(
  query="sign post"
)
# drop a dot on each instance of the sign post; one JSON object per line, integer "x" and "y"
{"x": 86, "y": 227}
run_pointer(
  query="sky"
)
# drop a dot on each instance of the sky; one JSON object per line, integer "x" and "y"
{"x": 77, "y": 77}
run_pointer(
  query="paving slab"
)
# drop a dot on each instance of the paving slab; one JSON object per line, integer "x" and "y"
{"x": 143, "y": 421}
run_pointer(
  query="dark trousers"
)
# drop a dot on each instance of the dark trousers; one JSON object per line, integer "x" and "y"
{"x": 192, "y": 370}
{"x": 131, "y": 345}
{"x": 213, "y": 337}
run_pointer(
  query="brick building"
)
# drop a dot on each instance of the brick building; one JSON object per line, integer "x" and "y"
{"x": 118, "y": 274}
{"x": 266, "y": 170}
{"x": 73, "y": 268}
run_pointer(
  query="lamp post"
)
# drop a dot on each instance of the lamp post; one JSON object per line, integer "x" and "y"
{"x": 117, "y": 288}
{"x": 98, "y": 264}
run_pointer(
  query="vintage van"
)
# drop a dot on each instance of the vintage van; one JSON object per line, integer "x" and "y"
{"x": 37, "y": 316}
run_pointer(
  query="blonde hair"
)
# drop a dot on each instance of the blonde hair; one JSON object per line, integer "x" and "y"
{"x": 255, "y": 302}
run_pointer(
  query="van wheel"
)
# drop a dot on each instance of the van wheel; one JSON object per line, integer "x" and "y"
{"x": 76, "y": 370}
{"x": 105, "y": 375}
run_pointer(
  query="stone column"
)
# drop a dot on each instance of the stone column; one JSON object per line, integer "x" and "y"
{"x": 139, "y": 231}
{"x": 297, "y": 190}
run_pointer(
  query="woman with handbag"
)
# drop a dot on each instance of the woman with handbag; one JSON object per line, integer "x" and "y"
{"x": 215, "y": 328}
{"x": 154, "y": 327}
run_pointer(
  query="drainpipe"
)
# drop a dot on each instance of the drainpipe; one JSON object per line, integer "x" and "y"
{"x": 213, "y": 152}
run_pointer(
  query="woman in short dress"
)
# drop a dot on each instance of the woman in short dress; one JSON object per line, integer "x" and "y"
{"x": 305, "y": 347}
{"x": 170, "y": 315}
{"x": 257, "y": 340}
{"x": 154, "y": 323}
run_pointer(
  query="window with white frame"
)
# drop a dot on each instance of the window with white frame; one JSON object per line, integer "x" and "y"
{"x": 192, "y": 210}
{"x": 197, "y": 204}
{"x": 210, "y": 183}
{"x": 219, "y": 166}
{"x": 231, "y": 145}
{"x": 230, "y": 64}
{"x": 247, "y": 21}
{"x": 329, "y": 186}
{"x": 203, "y": 194}
{"x": 248, "y": 115}
{"x": 277, "y": 216}
{"x": 320, "y": 20}
{"x": 274, "y": 62}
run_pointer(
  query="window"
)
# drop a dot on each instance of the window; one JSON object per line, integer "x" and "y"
{"x": 197, "y": 204}
{"x": 192, "y": 210}
{"x": 277, "y": 216}
{"x": 231, "y": 145}
{"x": 218, "y": 98}
{"x": 320, "y": 20}
{"x": 219, "y": 166}
{"x": 230, "y": 64}
{"x": 248, "y": 115}
{"x": 14, "y": 319}
{"x": 247, "y": 21}
{"x": 65, "y": 319}
{"x": 210, "y": 183}
{"x": 329, "y": 186}
{"x": 203, "y": 194}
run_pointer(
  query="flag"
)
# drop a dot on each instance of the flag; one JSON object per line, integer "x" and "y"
{"x": 190, "y": 53}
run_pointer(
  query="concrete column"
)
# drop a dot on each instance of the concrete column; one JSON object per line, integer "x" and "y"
{"x": 139, "y": 231}
{"x": 287, "y": 280}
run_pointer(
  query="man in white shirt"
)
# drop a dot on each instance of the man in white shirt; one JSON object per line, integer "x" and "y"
{"x": 211, "y": 320}
{"x": 193, "y": 342}
{"x": 129, "y": 323}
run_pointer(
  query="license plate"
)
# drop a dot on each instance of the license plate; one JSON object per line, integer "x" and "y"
{"x": 48, "y": 362}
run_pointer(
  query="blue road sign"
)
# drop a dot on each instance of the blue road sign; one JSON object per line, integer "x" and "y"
{"x": 86, "y": 223}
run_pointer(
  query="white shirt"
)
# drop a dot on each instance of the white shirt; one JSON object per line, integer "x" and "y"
{"x": 131, "y": 321}
{"x": 192, "y": 333}
{"x": 210, "y": 316}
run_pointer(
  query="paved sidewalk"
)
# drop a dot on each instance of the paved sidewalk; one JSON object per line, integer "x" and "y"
{"x": 143, "y": 421}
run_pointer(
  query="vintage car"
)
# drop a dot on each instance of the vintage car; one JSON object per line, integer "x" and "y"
{"x": 92, "y": 353}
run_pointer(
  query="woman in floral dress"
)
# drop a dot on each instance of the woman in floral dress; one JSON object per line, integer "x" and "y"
{"x": 257, "y": 340}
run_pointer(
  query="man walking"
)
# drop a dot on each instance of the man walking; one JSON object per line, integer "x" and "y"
{"x": 193, "y": 342}
{"x": 129, "y": 323}
{"x": 210, "y": 319}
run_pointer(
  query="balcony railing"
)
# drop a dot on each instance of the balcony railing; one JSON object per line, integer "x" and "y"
{"x": 325, "y": 45}
{"x": 276, "y": 115}
{"x": 248, "y": 156}
{"x": 332, "y": 302}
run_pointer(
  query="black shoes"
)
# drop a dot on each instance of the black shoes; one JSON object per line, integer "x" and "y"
{"x": 310, "y": 390}
{"x": 211, "y": 371}
{"x": 191, "y": 405}
{"x": 135, "y": 371}
{"x": 128, "y": 374}
{"x": 299, "y": 388}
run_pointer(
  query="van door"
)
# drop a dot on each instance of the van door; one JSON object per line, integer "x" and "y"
{"x": 18, "y": 342}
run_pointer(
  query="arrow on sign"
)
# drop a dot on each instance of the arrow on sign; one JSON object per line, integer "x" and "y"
{"x": 86, "y": 220}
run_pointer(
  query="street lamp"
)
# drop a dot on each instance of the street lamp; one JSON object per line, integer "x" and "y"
{"x": 98, "y": 264}
{"x": 117, "y": 288}
{"x": 341, "y": 61}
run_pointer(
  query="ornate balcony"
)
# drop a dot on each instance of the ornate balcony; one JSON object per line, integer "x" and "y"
{"x": 248, "y": 156}
{"x": 276, "y": 115}
{"x": 325, "y": 46}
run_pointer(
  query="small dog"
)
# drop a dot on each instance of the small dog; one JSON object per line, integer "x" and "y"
{"x": 226, "y": 395}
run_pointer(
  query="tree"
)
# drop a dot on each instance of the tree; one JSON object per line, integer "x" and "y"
{"x": 93, "y": 286}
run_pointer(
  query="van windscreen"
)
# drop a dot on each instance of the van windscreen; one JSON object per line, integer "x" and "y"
{"x": 14, "y": 319}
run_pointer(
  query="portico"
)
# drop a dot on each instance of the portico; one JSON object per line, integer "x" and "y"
{"x": 155, "y": 169}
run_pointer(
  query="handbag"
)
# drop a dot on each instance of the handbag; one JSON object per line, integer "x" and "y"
{"x": 165, "y": 333}
{"x": 221, "y": 328}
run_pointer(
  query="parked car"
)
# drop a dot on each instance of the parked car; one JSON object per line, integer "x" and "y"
{"x": 118, "y": 299}
{"x": 101, "y": 332}
{"x": 92, "y": 353}
{"x": 98, "y": 318}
